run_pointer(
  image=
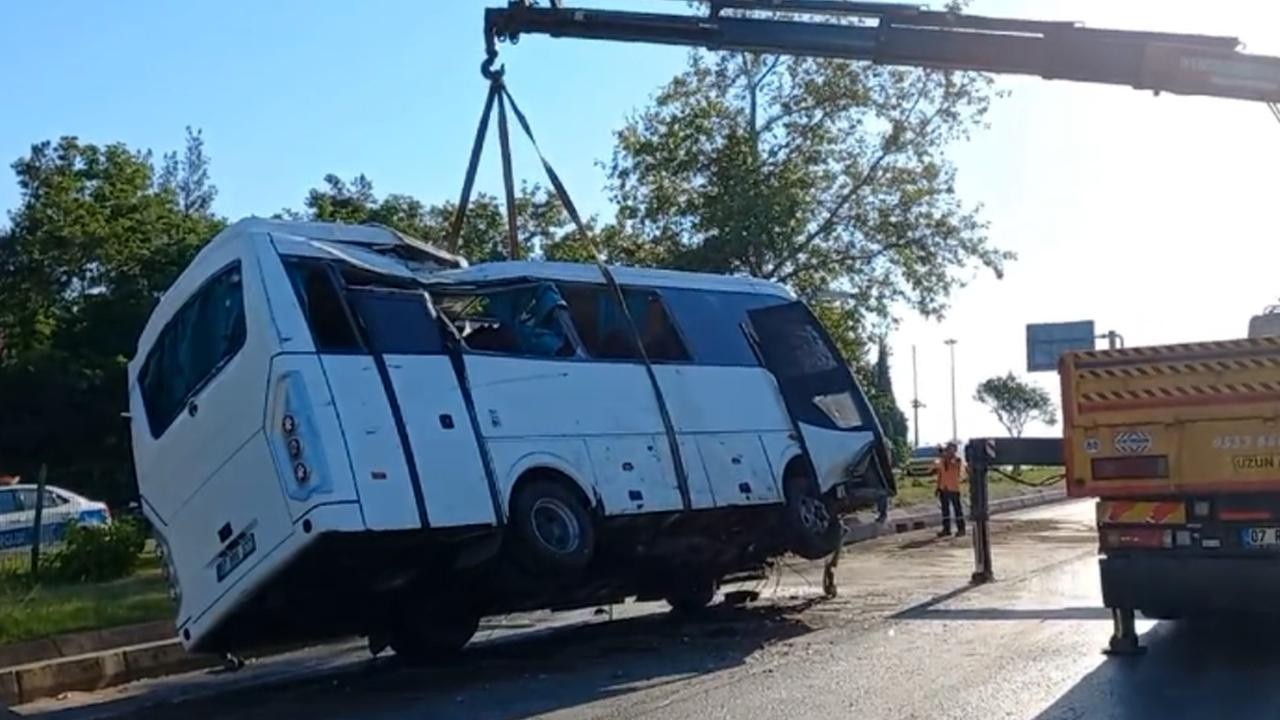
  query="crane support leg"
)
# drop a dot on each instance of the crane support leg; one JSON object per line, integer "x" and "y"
{"x": 1124, "y": 634}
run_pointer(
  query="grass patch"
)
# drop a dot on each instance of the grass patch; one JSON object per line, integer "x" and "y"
{"x": 28, "y": 612}
{"x": 914, "y": 491}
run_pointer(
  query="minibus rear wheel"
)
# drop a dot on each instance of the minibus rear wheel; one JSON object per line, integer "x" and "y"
{"x": 434, "y": 632}
{"x": 814, "y": 529}
{"x": 692, "y": 597}
{"x": 552, "y": 528}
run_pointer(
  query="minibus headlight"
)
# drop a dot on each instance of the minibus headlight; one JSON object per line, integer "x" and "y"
{"x": 288, "y": 424}
{"x": 295, "y": 448}
{"x": 301, "y": 473}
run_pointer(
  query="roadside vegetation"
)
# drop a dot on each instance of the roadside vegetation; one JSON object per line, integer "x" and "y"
{"x": 913, "y": 491}
{"x": 30, "y": 611}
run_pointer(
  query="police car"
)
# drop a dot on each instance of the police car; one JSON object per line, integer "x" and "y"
{"x": 18, "y": 514}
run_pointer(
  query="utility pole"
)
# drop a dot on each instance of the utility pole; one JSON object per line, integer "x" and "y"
{"x": 955, "y": 433}
{"x": 915, "y": 401}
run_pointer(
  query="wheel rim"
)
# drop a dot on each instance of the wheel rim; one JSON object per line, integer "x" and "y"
{"x": 555, "y": 526}
{"x": 814, "y": 514}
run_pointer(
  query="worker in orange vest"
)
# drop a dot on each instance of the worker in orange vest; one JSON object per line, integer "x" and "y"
{"x": 949, "y": 469}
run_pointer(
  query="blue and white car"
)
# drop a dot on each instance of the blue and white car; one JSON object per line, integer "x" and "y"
{"x": 18, "y": 514}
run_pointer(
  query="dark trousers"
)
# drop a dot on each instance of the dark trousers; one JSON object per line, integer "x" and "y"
{"x": 882, "y": 508}
{"x": 950, "y": 499}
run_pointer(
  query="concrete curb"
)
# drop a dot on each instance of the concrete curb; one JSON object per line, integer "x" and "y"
{"x": 909, "y": 521}
{"x": 83, "y": 643}
{"x": 94, "y": 671}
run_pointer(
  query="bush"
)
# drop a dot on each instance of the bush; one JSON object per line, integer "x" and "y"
{"x": 94, "y": 553}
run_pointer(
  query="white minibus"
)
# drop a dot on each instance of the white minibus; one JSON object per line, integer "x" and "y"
{"x": 341, "y": 430}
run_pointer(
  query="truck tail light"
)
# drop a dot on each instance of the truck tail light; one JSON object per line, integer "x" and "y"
{"x": 1239, "y": 515}
{"x": 1137, "y": 538}
{"x": 1138, "y": 467}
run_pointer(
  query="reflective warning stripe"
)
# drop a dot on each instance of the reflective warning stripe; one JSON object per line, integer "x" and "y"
{"x": 1158, "y": 369}
{"x": 1176, "y": 391}
{"x": 1141, "y": 512}
{"x": 1219, "y": 347}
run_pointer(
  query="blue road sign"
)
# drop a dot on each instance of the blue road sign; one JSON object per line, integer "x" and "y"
{"x": 1046, "y": 342}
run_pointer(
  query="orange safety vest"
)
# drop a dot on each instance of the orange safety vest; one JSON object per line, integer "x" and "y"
{"x": 948, "y": 473}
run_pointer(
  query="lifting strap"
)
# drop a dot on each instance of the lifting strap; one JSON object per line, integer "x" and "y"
{"x": 498, "y": 91}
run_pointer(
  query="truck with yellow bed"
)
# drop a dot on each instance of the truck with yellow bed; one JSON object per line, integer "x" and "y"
{"x": 1181, "y": 446}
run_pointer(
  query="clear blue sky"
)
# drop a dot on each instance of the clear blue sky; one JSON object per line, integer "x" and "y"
{"x": 1154, "y": 216}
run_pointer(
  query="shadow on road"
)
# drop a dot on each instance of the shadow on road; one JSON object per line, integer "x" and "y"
{"x": 1191, "y": 670}
{"x": 513, "y": 678}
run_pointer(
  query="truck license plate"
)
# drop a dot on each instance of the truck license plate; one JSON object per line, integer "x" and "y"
{"x": 1260, "y": 537}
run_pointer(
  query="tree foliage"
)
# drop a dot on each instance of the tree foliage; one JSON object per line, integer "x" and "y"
{"x": 1016, "y": 402}
{"x": 542, "y": 225}
{"x": 821, "y": 174}
{"x": 98, "y": 234}
{"x": 892, "y": 419}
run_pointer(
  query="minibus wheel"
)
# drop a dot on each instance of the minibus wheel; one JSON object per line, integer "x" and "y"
{"x": 691, "y": 597}
{"x": 814, "y": 529}
{"x": 553, "y": 530}
{"x": 434, "y": 632}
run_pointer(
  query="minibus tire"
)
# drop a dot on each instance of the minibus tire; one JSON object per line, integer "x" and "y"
{"x": 803, "y": 500}
{"x": 691, "y": 598}
{"x": 434, "y": 634}
{"x": 569, "y": 520}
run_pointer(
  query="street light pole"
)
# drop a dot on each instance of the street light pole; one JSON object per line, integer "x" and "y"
{"x": 955, "y": 433}
{"x": 915, "y": 400}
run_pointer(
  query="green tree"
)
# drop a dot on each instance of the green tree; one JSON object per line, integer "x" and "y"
{"x": 892, "y": 419}
{"x": 97, "y": 236}
{"x": 187, "y": 177}
{"x": 542, "y": 225}
{"x": 1016, "y": 402}
{"x": 818, "y": 173}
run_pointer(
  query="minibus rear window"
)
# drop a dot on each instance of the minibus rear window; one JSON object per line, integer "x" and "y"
{"x": 322, "y": 306}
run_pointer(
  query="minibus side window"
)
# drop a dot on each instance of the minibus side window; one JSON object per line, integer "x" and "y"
{"x": 604, "y": 330}
{"x": 397, "y": 322}
{"x": 529, "y": 320}
{"x": 712, "y": 321}
{"x": 322, "y": 306}
{"x": 206, "y": 332}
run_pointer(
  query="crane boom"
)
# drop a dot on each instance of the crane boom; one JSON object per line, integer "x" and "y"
{"x": 896, "y": 34}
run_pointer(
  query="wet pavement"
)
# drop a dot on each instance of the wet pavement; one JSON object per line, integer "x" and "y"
{"x": 908, "y": 637}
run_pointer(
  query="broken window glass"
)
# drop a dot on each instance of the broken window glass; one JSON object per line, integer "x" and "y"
{"x": 527, "y": 320}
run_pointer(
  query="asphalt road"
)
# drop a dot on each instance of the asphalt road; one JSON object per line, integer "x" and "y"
{"x": 908, "y": 637}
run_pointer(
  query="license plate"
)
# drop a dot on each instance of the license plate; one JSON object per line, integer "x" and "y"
{"x": 235, "y": 554}
{"x": 1260, "y": 537}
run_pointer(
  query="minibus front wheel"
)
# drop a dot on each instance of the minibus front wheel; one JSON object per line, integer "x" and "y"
{"x": 552, "y": 529}
{"x": 812, "y": 525}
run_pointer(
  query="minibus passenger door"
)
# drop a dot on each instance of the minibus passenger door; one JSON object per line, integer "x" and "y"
{"x": 836, "y": 423}
{"x": 403, "y": 332}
